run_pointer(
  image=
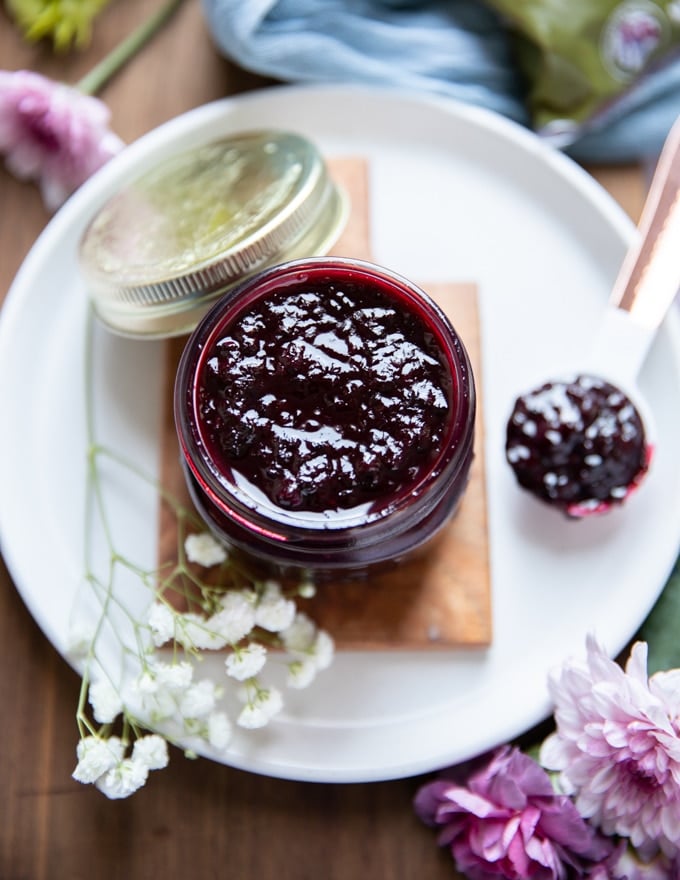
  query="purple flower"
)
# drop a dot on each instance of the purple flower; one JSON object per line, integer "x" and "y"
{"x": 617, "y": 745}
{"x": 508, "y": 822}
{"x": 52, "y": 133}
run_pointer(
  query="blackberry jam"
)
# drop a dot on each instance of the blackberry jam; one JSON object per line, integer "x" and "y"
{"x": 579, "y": 445}
{"x": 325, "y": 410}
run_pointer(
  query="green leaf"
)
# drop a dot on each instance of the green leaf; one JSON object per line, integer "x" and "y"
{"x": 661, "y": 629}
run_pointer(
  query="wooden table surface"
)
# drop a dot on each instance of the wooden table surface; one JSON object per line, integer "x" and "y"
{"x": 195, "y": 819}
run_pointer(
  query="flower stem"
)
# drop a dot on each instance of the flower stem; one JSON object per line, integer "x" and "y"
{"x": 99, "y": 76}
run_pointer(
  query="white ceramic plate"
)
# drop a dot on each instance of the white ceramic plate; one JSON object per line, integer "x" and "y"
{"x": 457, "y": 194}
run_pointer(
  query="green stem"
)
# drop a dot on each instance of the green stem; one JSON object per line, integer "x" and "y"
{"x": 99, "y": 76}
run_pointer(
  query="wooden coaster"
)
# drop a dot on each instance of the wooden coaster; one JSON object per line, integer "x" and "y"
{"x": 442, "y": 599}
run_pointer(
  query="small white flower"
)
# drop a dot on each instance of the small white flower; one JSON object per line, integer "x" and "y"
{"x": 307, "y": 590}
{"x": 301, "y": 673}
{"x": 269, "y": 590}
{"x": 161, "y": 621}
{"x": 96, "y": 756}
{"x": 300, "y": 635}
{"x": 146, "y": 684}
{"x": 156, "y": 701}
{"x": 219, "y": 730}
{"x": 259, "y": 710}
{"x": 105, "y": 701}
{"x": 80, "y": 638}
{"x": 317, "y": 656}
{"x": 198, "y": 700}
{"x": 124, "y": 779}
{"x": 274, "y": 612}
{"x": 236, "y": 617}
{"x": 151, "y": 750}
{"x": 173, "y": 676}
{"x": 253, "y": 716}
{"x": 323, "y": 649}
{"x": 204, "y": 550}
{"x": 195, "y": 631}
{"x": 246, "y": 662}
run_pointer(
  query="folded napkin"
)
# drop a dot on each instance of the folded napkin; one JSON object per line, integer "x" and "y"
{"x": 464, "y": 49}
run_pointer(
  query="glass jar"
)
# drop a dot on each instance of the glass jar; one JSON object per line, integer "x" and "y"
{"x": 325, "y": 410}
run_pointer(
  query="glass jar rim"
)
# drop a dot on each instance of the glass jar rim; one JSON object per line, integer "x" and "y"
{"x": 281, "y": 527}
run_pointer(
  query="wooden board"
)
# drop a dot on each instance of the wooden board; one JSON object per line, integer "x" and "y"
{"x": 441, "y": 599}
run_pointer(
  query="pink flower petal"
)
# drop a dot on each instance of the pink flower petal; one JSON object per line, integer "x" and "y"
{"x": 617, "y": 746}
{"x": 512, "y": 825}
{"x": 52, "y": 133}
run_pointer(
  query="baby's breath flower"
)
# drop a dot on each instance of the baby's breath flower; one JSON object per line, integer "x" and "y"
{"x": 246, "y": 662}
{"x": 204, "y": 550}
{"x": 124, "y": 779}
{"x": 307, "y": 590}
{"x": 199, "y": 699}
{"x": 156, "y": 701}
{"x": 173, "y": 676}
{"x": 260, "y": 708}
{"x": 105, "y": 701}
{"x": 151, "y": 750}
{"x": 145, "y": 684}
{"x": 301, "y": 673}
{"x": 96, "y": 756}
{"x": 299, "y": 636}
{"x": 219, "y": 730}
{"x": 80, "y": 637}
{"x": 195, "y": 632}
{"x": 236, "y": 617}
{"x": 160, "y": 686}
{"x": 161, "y": 621}
{"x": 274, "y": 612}
{"x": 323, "y": 649}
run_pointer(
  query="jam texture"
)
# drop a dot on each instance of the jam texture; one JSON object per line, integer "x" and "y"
{"x": 325, "y": 395}
{"x": 578, "y": 445}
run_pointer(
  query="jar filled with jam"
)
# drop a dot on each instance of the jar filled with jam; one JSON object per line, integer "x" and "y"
{"x": 325, "y": 410}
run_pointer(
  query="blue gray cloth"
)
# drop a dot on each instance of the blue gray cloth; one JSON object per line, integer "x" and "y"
{"x": 456, "y": 48}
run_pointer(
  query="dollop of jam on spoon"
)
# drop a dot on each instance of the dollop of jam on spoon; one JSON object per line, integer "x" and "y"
{"x": 579, "y": 445}
{"x": 584, "y": 445}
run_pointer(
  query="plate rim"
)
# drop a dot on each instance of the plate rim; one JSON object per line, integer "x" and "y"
{"x": 91, "y": 191}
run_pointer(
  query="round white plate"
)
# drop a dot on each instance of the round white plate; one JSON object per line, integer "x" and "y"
{"x": 457, "y": 194}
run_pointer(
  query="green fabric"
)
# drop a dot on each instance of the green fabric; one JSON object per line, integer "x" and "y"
{"x": 661, "y": 630}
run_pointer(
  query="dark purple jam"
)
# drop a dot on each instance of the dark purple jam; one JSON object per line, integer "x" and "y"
{"x": 578, "y": 445}
{"x": 325, "y": 395}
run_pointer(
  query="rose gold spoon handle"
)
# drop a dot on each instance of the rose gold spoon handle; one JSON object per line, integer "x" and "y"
{"x": 649, "y": 277}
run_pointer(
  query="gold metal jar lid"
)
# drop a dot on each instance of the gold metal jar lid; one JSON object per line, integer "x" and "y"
{"x": 161, "y": 250}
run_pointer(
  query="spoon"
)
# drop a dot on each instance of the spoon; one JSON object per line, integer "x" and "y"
{"x": 585, "y": 444}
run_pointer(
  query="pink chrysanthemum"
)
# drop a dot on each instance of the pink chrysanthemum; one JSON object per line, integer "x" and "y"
{"x": 617, "y": 746}
{"x": 630, "y": 867}
{"x": 507, "y": 822}
{"x": 52, "y": 133}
